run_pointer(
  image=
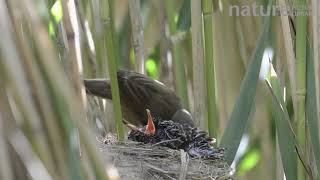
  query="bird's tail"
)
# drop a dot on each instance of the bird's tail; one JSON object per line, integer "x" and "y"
{"x": 98, "y": 87}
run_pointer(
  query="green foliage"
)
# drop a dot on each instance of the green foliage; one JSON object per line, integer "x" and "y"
{"x": 151, "y": 67}
{"x": 56, "y": 11}
{"x": 283, "y": 127}
{"x": 51, "y": 29}
{"x": 112, "y": 66}
{"x": 238, "y": 121}
{"x": 38, "y": 100}
{"x": 249, "y": 160}
{"x": 212, "y": 120}
{"x": 311, "y": 107}
{"x": 132, "y": 57}
{"x": 184, "y": 21}
{"x": 178, "y": 63}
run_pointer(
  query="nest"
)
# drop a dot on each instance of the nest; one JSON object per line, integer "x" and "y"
{"x": 144, "y": 161}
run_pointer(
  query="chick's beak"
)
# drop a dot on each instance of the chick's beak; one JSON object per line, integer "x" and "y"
{"x": 132, "y": 127}
{"x": 150, "y": 129}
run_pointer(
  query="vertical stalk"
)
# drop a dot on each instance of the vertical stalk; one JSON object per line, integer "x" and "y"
{"x": 74, "y": 56}
{"x": 112, "y": 66}
{"x": 165, "y": 73}
{"x": 209, "y": 64}
{"x": 89, "y": 61}
{"x": 61, "y": 91}
{"x": 137, "y": 34}
{"x": 101, "y": 58}
{"x": 6, "y": 126}
{"x": 316, "y": 48}
{"x": 279, "y": 166}
{"x": 280, "y": 65}
{"x": 101, "y": 55}
{"x": 46, "y": 111}
{"x": 301, "y": 40}
{"x": 290, "y": 56}
{"x": 179, "y": 70}
{"x": 5, "y": 161}
{"x": 198, "y": 65}
{"x": 74, "y": 63}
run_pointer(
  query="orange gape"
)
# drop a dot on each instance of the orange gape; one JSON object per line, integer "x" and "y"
{"x": 150, "y": 129}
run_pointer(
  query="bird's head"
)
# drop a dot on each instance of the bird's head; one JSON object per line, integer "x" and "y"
{"x": 147, "y": 130}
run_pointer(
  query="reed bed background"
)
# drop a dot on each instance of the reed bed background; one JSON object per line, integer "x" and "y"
{"x": 250, "y": 81}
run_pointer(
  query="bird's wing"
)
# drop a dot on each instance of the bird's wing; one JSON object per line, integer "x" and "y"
{"x": 144, "y": 92}
{"x": 138, "y": 86}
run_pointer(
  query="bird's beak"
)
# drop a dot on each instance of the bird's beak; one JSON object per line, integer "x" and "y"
{"x": 150, "y": 129}
{"x": 130, "y": 126}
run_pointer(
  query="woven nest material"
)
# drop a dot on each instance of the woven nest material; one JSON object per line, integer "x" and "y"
{"x": 143, "y": 161}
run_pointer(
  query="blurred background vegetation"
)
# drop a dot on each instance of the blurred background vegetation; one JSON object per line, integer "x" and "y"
{"x": 210, "y": 56}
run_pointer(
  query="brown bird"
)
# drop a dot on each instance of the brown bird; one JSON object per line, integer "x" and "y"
{"x": 138, "y": 92}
